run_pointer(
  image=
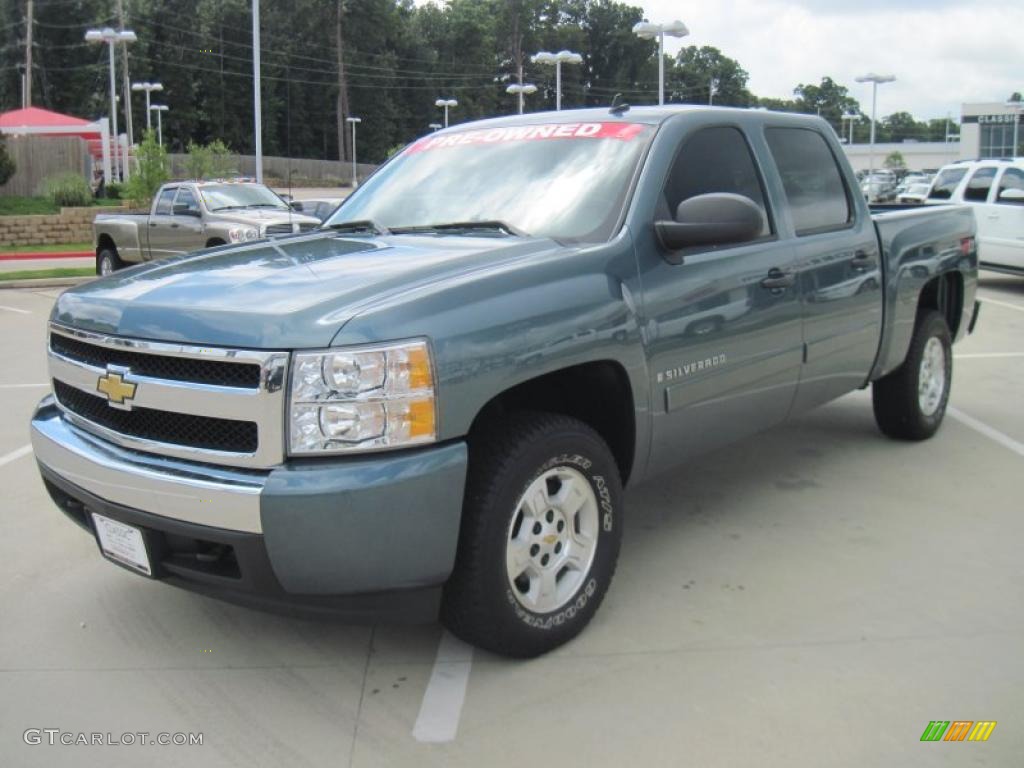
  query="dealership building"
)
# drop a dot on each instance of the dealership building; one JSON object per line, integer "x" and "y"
{"x": 986, "y": 130}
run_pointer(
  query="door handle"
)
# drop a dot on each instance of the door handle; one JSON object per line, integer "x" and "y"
{"x": 993, "y": 216}
{"x": 777, "y": 280}
{"x": 174, "y": 226}
{"x": 862, "y": 260}
{"x": 152, "y": 223}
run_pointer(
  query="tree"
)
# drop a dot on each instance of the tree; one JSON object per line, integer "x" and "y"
{"x": 894, "y": 161}
{"x": 827, "y": 99}
{"x": 695, "y": 70}
{"x": 150, "y": 171}
{"x": 7, "y": 166}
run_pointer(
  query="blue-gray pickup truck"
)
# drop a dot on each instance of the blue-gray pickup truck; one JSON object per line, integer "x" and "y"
{"x": 431, "y": 406}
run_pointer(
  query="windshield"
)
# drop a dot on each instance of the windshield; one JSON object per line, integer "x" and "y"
{"x": 945, "y": 183}
{"x": 567, "y": 181}
{"x": 223, "y": 197}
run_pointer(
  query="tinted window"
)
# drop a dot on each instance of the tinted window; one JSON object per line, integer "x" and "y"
{"x": 164, "y": 203}
{"x": 186, "y": 198}
{"x": 713, "y": 160}
{"x": 812, "y": 180}
{"x": 946, "y": 182}
{"x": 979, "y": 185}
{"x": 1013, "y": 178}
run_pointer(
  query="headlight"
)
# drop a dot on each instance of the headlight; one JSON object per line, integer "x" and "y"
{"x": 362, "y": 399}
{"x": 238, "y": 234}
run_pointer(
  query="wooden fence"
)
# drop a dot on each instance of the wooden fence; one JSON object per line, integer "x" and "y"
{"x": 38, "y": 157}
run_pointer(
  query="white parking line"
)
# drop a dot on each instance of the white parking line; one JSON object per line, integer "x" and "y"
{"x": 25, "y": 450}
{"x": 992, "y": 434}
{"x": 1006, "y": 304}
{"x": 988, "y": 355}
{"x": 441, "y": 709}
{"x": 15, "y": 309}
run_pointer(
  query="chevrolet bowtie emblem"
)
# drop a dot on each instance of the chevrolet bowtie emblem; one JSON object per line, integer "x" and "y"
{"x": 550, "y": 538}
{"x": 117, "y": 390}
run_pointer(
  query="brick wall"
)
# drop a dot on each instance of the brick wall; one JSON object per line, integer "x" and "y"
{"x": 71, "y": 225}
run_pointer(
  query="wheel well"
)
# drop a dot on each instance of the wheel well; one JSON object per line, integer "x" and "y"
{"x": 945, "y": 294}
{"x": 105, "y": 241}
{"x": 213, "y": 242}
{"x": 597, "y": 394}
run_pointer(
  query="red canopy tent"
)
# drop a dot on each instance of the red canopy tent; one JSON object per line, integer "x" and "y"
{"x": 36, "y": 121}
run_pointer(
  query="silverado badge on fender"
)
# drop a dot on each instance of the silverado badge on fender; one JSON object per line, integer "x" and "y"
{"x": 118, "y": 391}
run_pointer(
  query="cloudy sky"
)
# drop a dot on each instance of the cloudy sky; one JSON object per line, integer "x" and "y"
{"x": 942, "y": 52}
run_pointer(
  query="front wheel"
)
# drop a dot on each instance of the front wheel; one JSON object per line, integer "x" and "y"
{"x": 540, "y": 535}
{"x": 910, "y": 402}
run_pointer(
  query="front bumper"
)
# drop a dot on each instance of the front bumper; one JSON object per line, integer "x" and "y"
{"x": 359, "y": 536}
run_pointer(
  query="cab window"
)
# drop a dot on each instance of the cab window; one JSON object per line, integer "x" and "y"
{"x": 811, "y": 177}
{"x": 165, "y": 203}
{"x": 714, "y": 160}
{"x": 979, "y": 184}
{"x": 1013, "y": 178}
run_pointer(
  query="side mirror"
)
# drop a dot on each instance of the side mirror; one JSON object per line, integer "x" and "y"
{"x": 1012, "y": 196}
{"x": 184, "y": 210}
{"x": 296, "y": 205}
{"x": 717, "y": 218}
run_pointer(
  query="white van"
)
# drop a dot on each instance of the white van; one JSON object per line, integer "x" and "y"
{"x": 995, "y": 189}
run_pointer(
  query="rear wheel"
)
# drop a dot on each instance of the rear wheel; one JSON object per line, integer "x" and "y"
{"x": 108, "y": 262}
{"x": 540, "y": 535}
{"x": 910, "y": 402}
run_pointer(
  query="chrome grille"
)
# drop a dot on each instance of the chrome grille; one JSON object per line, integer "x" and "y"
{"x": 279, "y": 229}
{"x": 210, "y": 404}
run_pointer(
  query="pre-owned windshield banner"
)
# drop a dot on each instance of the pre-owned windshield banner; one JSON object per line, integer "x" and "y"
{"x": 513, "y": 133}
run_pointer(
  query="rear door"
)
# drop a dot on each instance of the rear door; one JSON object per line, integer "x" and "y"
{"x": 1003, "y": 222}
{"x": 838, "y": 262}
{"x": 723, "y": 344}
{"x": 160, "y": 225}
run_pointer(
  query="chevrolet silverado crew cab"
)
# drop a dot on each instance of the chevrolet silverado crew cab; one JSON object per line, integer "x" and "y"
{"x": 190, "y": 215}
{"x": 432, "y": 405}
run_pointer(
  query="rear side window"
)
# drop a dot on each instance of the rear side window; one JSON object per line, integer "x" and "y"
{"x": 945, "y": 183}
{"x": 979, "y": 185}
{"x": 812, "y": 180}
{"x": 164, "y": 205}
{"x": 714, "y": 160}
{"x": 1013, "y": 178}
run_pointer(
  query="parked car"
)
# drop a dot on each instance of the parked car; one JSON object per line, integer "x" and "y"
{"x": 879, "y": 187}
{"x": 319, "y": 208}
{"x": 190, "y": 215}
{"x": 995, "y": 190}
{"x": 433, "y": 403}
{"x": 914, "y": 193}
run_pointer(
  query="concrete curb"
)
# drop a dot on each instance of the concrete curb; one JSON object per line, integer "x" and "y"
{"x": 45, "y": 282}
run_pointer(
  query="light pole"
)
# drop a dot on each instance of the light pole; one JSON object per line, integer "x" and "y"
{"x": 148, "y": 88}
{"x": 851, "y": 118}
{"x": 875, "y": 81}
{"x": 567, "y": 57}
{"x": 112, "y": 37}
{"x": 257, "y": 108}
{"x": 446, "y": 103}
{"x": 353, "y": 121}
{"x": 649, "y": 31}
{"x": 1015, "y": 104}
{"x": 435, "y": 127}
{"x": 522, "y": 89}
{"x": 159, "y": 109}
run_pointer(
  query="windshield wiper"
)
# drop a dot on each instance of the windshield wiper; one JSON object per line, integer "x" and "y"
{"x": 227, "y": 208}
{"x": 360, "y": 225}
{"x": 266, "y": 205}
{"x": 459, "y": 227}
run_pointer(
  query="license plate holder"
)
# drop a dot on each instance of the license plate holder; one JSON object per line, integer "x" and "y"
{"x": 123, "y": 544}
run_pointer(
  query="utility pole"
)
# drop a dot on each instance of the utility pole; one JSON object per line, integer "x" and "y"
{"x": 257, "y": 105}
{"x": 342, "y": 101}
{"x": 126, "y": 86}
{"x": 30, "y": 23}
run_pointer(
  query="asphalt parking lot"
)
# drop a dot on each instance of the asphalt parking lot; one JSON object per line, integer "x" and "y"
{"x": 814, "y": 596}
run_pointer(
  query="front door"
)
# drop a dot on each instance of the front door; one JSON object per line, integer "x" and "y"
{"x": 723, "y": 329}
{"x": 189, "y": 234}
{"x": 1002, "y": 222}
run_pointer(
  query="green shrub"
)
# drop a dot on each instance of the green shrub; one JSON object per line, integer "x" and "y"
{"x": 210, "y": 161}
{"x": 150, "y": 172}
{"x": 67, "y": 189}
{"x": 114, "y": 190}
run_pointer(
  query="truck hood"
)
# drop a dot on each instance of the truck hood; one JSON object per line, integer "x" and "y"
{"x": 290, "y": 293}
{"x": 264, "y": 217}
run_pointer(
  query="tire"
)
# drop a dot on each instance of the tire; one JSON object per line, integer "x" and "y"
{"x": 108, "y": 262}
{"x": 911, "y": 401}
{"x": 522, "y": 464}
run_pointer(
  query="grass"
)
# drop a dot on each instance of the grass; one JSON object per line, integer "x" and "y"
{"x": 28, "y": 206}
{"x": 58, "y": 248}
{"x": 36, "y": 274}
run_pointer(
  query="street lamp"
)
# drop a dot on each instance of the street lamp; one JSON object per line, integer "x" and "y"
{"x": 435, "y": 127}
{"x": 353, "y": 121}
{"x": 875, "y": 81}
{"x": 148, "y": 88}
{"x": 159, "y": 109}
{"x": 1016, "y": 105}
{"x": 446, "y": 103}
{"x": 851, "y": 117}
{"x": 257, "y": 105}
{"x": 546, "y": 57}
{"x": 521, "y": 89}
{"x": 112, "y": 37}
{"x": 648, "y": 31}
